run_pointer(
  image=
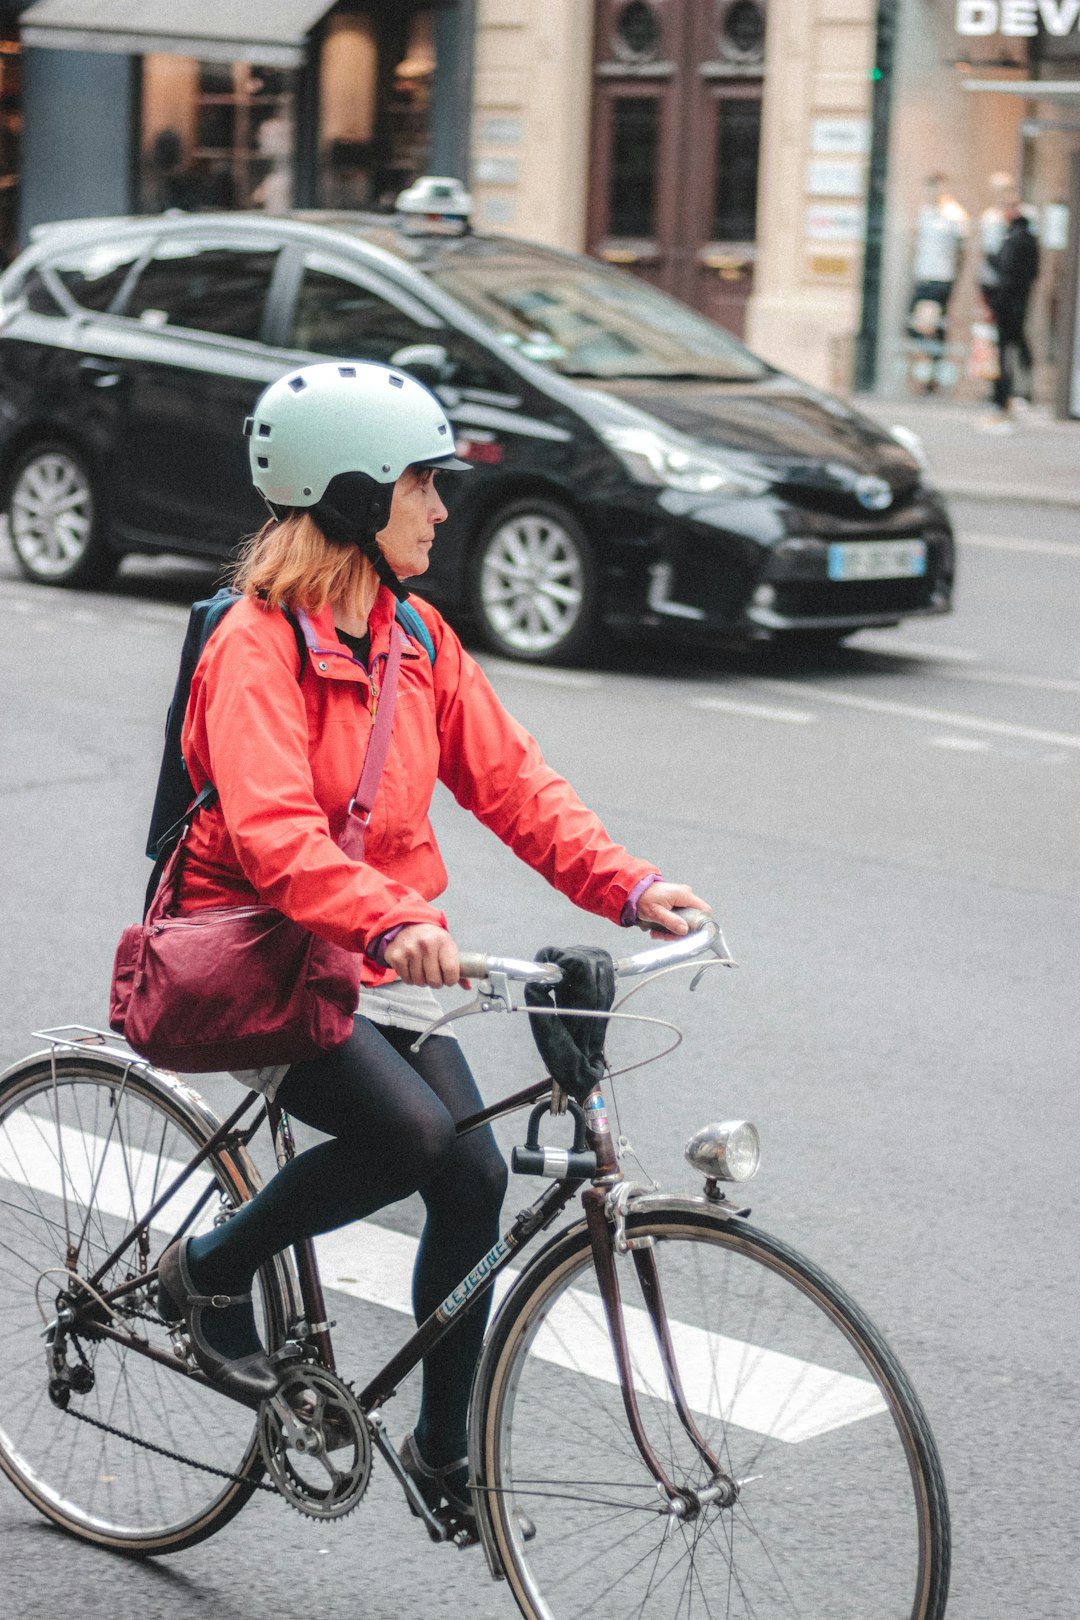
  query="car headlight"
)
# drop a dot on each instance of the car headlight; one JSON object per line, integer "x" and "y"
{"x": 912, "y": 444}
{"x": 650, "y": 458}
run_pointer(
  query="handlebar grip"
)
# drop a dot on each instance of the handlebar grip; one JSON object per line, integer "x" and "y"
{"x": 473, "y": 964}
{"x": 693, "y": 918}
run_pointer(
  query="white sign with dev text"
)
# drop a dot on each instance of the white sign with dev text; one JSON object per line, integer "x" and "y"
{"x": 1018, "y": 18}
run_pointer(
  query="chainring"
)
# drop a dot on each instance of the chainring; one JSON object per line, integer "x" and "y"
{"x": 316, "y": 1443}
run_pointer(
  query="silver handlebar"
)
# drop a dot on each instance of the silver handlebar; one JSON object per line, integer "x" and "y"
{"x": 704, "y": 936}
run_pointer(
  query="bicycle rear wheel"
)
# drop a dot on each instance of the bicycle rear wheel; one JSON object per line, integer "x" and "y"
{"x": 86, "y": 1146}
{"x": 841, "y": 1511}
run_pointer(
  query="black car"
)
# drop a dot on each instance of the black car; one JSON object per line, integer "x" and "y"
{"x": 634, "y": 466}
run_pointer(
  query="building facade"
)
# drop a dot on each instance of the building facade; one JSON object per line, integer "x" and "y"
{"x": 768, "y": 161}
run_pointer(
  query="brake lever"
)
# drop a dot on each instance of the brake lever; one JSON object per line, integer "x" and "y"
{"x": 493, "y": 994}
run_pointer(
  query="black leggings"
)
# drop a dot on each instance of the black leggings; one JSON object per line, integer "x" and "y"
{"x": 391, "y": 1115}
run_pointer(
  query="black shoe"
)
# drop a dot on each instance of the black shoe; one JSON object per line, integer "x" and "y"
{"x": 251, "y": 1378}
{"x": 448, "y": 1505}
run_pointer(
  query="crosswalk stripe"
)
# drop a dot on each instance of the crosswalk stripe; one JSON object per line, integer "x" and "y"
{"x": 761, "y": 1390}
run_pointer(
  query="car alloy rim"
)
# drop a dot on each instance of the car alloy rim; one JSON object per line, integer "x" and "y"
{"x": 51, "y": 515}
{"x": 532, "y": 583}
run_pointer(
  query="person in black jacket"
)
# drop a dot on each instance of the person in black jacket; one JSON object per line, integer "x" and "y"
{"x": 1016, "y": 263}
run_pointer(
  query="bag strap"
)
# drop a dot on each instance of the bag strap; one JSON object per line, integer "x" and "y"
{"x": 360, "y": 805}
{"x": 163, "y": 884}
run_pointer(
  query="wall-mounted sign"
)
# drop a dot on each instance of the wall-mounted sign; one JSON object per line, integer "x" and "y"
{"x": 835, "y": 222}
{"x": 496, "y": 171}
{"x": 1054, "y": 231}
{"x": 850, "y": 136}
{"x": 827, "y": 179}
{"x": 1021, "y": 19}
{"x": 833, "y": 266}
{"x": 504, "y": 131}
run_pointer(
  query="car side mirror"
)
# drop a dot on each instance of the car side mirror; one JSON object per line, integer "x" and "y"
{"x": 424, "y": 361}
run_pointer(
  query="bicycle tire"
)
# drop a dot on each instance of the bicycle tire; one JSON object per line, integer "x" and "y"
{"x": 86, "y": 1142}
{"x": 842, "y": 1510}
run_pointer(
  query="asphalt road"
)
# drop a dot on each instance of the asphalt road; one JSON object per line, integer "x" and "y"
{"x": 891, "y": 842}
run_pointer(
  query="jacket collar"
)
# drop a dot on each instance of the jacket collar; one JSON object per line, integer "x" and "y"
{"x": 329, "y": 658}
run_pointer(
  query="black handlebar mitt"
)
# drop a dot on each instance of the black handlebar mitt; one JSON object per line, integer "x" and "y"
{"x": 573, "y": 1048}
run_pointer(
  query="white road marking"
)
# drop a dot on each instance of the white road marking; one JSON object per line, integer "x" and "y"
{"x": 886, "y": 641}
{"x": 938, "y": 717}
{"x": 1002, "y": 542}
{"x": 962, "y": 745}
{"x": 764, "y": 1391}
{"x": 755, "y": 711}
{"x": 1000, "y": 677}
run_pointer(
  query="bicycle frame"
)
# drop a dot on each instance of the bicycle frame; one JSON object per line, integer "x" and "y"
{"x": 607, "y": 1184}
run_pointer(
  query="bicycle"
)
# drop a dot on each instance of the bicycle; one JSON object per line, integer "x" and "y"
{"x": 694, "y": 1416}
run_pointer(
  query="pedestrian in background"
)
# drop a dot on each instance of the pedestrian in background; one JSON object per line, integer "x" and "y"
{"x": 940, "y": 235}
{"x": 1015, "y": 267}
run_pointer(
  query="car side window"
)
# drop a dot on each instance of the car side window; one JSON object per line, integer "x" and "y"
{"x": 94, "y": 276}
{"x": 346, "y": 320}
{"x": 207, "y": 288}
{"x": 337, "y": 316}
{"x": 38, "y": 296}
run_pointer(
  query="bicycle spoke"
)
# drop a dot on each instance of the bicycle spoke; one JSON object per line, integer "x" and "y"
{"x": 814, "y": 1473}
{"x": 84, "y": 1154}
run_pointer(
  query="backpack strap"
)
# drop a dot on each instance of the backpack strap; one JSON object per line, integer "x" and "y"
{"x": 414, "y": 627}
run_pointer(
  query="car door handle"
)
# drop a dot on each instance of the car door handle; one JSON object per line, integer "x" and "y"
{"x": 101, "y": 373}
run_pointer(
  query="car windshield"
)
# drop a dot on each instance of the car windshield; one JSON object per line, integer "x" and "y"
{"x": 586, "y": 321}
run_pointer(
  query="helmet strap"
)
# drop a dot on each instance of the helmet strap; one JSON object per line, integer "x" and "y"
{"x": 351, "y": 513}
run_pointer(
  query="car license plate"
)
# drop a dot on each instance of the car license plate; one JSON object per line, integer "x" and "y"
{"x": 877, "y": 559}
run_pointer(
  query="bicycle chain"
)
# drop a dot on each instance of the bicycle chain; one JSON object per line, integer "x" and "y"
{"x": 174, "y": 1456}
{"x": 149, "y": 1445}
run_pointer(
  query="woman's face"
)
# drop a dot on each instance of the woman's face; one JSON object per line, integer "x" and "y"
{"x": 416, "y": 508}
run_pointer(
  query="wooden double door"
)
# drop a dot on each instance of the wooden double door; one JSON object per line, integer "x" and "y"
{"x": 676, "y": 136}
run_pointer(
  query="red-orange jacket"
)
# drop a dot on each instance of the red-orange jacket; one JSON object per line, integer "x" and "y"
{"x": 285, "y": 755}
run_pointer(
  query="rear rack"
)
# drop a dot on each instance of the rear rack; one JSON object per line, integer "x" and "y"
{"x": 78, "y": 1037}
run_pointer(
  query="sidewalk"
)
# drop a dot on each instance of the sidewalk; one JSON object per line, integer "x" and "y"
{"x": 1038, "y": 463}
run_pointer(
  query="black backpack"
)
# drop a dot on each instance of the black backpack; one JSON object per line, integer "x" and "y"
{"x": 174, "y": 803}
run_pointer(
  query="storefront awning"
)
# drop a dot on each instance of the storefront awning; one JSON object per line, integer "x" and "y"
{"x": 271, "y": 32}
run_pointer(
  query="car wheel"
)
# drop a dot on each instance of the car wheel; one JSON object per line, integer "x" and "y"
{"x": 54, "y": 518}
{"x": 534, "y": 593}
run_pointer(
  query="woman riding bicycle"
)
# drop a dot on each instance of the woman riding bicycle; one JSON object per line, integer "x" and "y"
{"x": 346, "y": 457}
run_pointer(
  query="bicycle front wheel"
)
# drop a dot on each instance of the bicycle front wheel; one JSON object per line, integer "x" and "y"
{"x": 115, "y": 1447}
{"x": 840, "y": 1510}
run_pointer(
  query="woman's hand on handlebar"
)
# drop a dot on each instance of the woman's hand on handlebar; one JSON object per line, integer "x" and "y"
{"x": 424, "y": 954}
{"x": 657, "y": 906}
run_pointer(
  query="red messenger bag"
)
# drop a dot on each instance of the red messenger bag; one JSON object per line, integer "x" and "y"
{"x": 237, "y": 987}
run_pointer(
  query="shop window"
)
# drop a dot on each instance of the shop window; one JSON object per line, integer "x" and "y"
{"x": 215, "y": 135}
{"x": 738, "y": 141}
{"x": 635, "y": 144}
{"x": 212, "y": 289}
{"x": 375, "y": 87}
{"x": 94, "y": 276}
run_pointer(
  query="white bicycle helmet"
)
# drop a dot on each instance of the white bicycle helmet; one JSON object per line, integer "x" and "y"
{"x": 334, "y": 438}
{"x": 337, "y": 417}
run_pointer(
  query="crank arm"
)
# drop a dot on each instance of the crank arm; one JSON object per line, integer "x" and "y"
{"x": 435, "y": 1528}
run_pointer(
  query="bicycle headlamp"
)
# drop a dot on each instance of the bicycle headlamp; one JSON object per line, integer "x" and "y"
{"x": 727, "y": 1151}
